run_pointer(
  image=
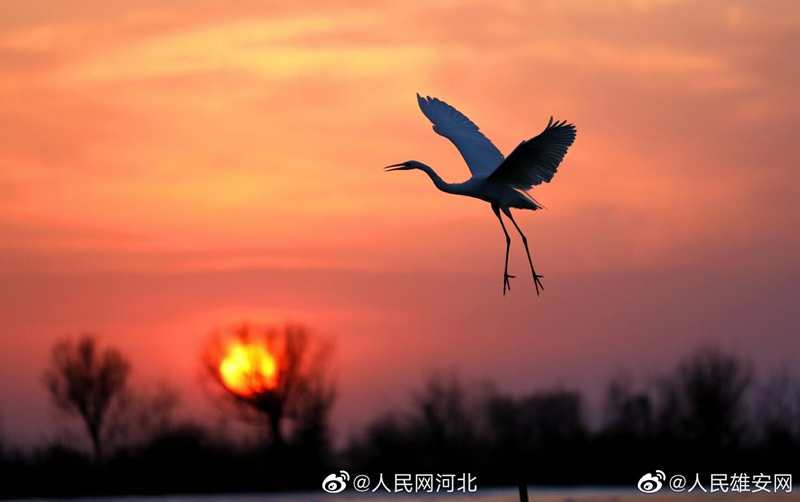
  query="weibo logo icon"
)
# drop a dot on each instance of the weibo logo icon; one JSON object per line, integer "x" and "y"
{"x": 336, "y": 483}
{"x": 650, "y": 483}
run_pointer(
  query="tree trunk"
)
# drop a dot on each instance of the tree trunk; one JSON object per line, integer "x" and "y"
{"x": 94, "y": 432}
{"x": 522, "y": 477}
{"x": 523, "y": 492}
{"x": 275, "y": 428}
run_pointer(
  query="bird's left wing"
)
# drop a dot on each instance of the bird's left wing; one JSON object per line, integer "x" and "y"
{"x": 536, "y": 160}
{"x": 481, "y": 155}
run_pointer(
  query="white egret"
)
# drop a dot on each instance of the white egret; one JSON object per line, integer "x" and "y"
{"x": 502, "y": 182}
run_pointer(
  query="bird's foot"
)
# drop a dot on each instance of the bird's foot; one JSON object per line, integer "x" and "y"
{"x": 538, "y": 283}
{"x": 506, "y": 282}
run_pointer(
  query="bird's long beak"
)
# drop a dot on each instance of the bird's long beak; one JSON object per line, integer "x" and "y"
{"x": 394, "y": 167}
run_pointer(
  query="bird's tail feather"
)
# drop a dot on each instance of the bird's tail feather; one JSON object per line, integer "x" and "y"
{"x": 530, "y": 202}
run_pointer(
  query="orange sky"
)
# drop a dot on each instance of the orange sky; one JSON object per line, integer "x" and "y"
{"x": 166, "y": 169}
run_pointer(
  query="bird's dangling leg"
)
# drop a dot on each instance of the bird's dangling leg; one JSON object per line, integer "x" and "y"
{"x": 536, "y": 277}
{"x": 506, "y": 277}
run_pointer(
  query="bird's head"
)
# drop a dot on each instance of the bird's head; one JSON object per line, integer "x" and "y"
{"x": 404, "y": 166}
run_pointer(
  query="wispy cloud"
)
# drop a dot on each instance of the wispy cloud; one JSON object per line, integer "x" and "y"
{"x": 254, "y": 127}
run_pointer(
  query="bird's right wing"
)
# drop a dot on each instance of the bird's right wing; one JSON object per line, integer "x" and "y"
{"x": 536, "y": 160}
{"x": 481, "y": 155}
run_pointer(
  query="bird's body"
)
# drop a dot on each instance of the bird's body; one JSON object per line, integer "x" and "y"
{"x": 483, "y": 188}
{"x": 500, "y": 181}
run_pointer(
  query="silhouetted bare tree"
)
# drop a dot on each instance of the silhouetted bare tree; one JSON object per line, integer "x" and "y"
{"x": 536, "y": 421}
{"x": 140, "y": 417}
{"x": 297, "y": 403}
{"x": 704, "y": 399}
{"x": 777, "y": 411}
{"x": 84, "y": 382}
{"x": 443, "y": 428}
{"x": 628, "y": 412}
{"x": 445, "y": 411}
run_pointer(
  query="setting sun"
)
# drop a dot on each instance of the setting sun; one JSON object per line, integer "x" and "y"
{"x": 248, "y": 369}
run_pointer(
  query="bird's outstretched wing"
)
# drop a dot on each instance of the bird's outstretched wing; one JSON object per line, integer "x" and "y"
{"x": 481, "y": 155}
{"x": 537, "y": 159}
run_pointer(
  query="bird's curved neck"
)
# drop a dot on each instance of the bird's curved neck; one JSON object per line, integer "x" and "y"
{"x": 437, "y": 180}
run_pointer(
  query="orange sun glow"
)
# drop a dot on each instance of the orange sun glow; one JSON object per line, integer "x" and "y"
{"x": 248, "y": 369}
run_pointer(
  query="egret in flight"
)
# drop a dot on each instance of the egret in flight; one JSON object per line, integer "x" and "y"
{"x": 502, "y": 182}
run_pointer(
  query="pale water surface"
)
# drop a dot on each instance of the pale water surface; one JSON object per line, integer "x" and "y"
{"x": 487, "y": 495}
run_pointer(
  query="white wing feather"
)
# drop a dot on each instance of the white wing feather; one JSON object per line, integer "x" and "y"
{"x": 481, "y": 155}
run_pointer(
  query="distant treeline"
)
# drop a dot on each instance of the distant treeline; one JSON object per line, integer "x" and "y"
{"x": 709, "y": 415}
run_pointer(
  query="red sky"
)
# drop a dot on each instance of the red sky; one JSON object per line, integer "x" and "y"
{"x": 165, "y": 169}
